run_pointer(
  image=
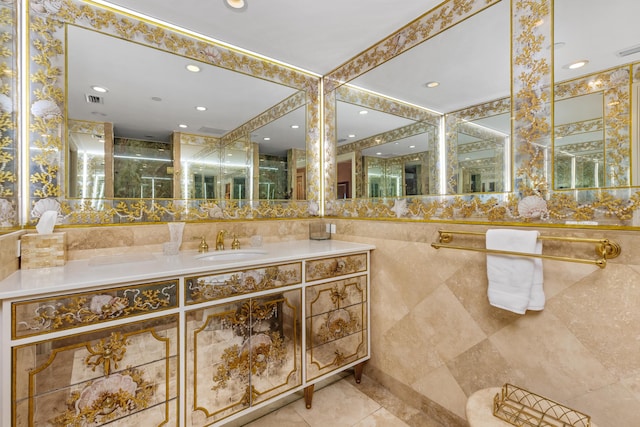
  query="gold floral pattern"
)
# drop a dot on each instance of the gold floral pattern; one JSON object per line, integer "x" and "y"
{"x": 335, "y": 267}
{"x": 92, "y": 308}
{"x": 8, "y": 146}
{"x": 106, "y": 399}
{"x": 209, "y": 288}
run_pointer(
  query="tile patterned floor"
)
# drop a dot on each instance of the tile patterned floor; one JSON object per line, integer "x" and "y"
{"x": 344, "y": 403}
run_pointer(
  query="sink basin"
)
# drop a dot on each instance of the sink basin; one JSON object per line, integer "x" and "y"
{"x": 231, "y": 255}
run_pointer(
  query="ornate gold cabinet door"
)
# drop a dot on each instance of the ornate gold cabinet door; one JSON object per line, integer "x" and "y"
{"x": 125, "y": 375}
{"x": 336, "y": 325}
{"x": 241, "y": 353}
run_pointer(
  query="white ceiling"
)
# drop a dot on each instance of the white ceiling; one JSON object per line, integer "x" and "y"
{"x": 314, "y": 35}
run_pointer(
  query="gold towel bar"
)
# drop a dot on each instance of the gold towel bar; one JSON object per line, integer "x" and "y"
{"x": 605, "y": 248}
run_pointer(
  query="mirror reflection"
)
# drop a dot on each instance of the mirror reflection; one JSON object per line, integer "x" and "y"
{"x": 483, "y": 153}
{"x": 164, "y": 126}
{"x": 579, "y": 142}
{"x": 451, "y": 71}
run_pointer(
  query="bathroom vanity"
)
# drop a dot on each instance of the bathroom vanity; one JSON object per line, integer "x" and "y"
{"x": 185, "y": 340}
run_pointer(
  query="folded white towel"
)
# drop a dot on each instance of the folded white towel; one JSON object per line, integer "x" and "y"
{"x": 511, "y": 278}
{"x": 537, "y": 298}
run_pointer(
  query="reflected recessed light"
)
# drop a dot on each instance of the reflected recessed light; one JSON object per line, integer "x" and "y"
{"x": 378, "y": 153}
{"x": 351, "y": 135}
{"x": 100, "y": 89}
{"x": 183, "y": 126}
{"x": 193, "y": 68}
{"x": 201, "y": 108}
{"x": 266, "y": 138}
{"x": 294, "y": 126}
{"x": 577, "y": 64}
{"x": 363, "y": 112}
{"x": 412, "y": 146}
{"x": 237, "y": 5}
{"x": 432, "y": 84}
{"x": 230, "y": 154}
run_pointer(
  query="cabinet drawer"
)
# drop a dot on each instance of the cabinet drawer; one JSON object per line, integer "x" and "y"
{"x": 126, "y": 374}
{"x": 335, "y": 266}
{"x": 336, "y": 325}
{"x": 69, "y": 311}
{"x": 242, "y": 353}
{"x": 218, "y": 286}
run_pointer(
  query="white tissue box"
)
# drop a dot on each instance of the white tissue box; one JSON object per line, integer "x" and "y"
{"x": 43, "y": 250}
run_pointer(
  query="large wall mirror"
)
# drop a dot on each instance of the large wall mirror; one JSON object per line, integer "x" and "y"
{"x": 135, "y": 122}
{"x": 547, "y": 163}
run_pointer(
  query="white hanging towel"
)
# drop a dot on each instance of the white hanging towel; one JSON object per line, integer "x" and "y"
{"x": 512, "y": 278}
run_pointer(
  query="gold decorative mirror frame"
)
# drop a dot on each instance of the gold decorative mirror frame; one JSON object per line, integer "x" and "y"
{"x": 46, "y": 121}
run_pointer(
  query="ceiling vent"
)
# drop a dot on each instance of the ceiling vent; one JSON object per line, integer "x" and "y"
{"x": 94, "y": 99}
{"x": 629, "y": 51}
{"x": 213, "y": 131}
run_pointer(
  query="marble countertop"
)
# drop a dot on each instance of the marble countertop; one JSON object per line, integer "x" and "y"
{"x": 133, "y": 267}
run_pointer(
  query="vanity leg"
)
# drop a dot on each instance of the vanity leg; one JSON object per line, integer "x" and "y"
{"x": 308, "y": 395}
{"x": 357, "y": 372}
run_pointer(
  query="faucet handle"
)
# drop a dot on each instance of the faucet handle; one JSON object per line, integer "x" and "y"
{"x": 204, "y": 247}
{"x": 235, "y": 244}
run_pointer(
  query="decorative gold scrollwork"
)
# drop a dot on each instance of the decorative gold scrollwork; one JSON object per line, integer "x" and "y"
{"x": 107, "y": 353}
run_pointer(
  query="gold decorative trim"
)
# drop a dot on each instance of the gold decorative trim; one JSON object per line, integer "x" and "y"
{"x": 338, "y": 311}
{"x": 208, "y": 288}
{"x": 114, "y": 392}
{"x": 335, "y": 267}
{"x": 266, "y": 340}
{"x": 8, "y": 117}
{"x": 42, "y": 316}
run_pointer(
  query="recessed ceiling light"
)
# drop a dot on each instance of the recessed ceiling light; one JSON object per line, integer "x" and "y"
{"x": 294, "y": 126}
{"x": 156, "y": 98}
{"x": 378, "y": 154}
{"x": 432, "y": 84}
{"x": 351, "y": 135}
{"x": 193, "y": 68}
{"x": 237, "y": 5}
{"x": 577, "y": 64}
{"x": 412, "y": 146}
{"x": 201, "y": 108}
{"x": 100, "y": 89}
{"x": 266, "y": 138}
{"x": 363, "y": 112}
{"x": 183, "y": 126}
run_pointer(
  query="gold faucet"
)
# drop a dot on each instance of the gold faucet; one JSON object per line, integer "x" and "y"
{"x": 203, "y": 246}
{"x": 220, "y": 240}
{"x": 236, "y": 243}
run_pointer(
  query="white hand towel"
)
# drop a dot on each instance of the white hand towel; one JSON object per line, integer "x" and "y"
{"x": 537, "y": 298}
{"x": 511, "y": 277}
